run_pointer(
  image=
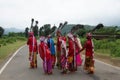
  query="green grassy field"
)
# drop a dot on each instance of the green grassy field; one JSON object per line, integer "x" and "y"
{"x": 9, "y": 49}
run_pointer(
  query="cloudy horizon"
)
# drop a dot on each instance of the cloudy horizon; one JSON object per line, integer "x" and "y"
{"x": 18, "y": 13}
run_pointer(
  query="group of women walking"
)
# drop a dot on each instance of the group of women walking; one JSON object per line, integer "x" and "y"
{"x": 66, "y": 56}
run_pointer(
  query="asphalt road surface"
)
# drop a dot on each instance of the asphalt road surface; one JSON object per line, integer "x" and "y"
{"x": 18, "y": 69}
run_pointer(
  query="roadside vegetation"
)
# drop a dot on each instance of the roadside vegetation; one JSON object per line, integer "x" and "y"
{"x": 107, "y": 47}
{"x": 10, "y": 43}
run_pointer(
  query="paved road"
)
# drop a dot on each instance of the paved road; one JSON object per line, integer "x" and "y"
{"x": 18, "y": 69}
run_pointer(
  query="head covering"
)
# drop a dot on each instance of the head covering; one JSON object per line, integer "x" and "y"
{"x": 70, "y": 36}
{"x": 62, "y": 38}
{"x": 75, "y": 35}
{"x": 42, "y": 38}
{"x": 49, "y": 36}
{"x": 89, "y": 35}
{"x": 58, "y": 32}
{"x": 31, "y": 34}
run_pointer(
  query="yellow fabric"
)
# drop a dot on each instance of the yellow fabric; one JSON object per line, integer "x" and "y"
{"x": 70, "y": 59}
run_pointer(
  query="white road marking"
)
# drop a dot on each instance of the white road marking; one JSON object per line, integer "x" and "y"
{"x": 108, "y": 64}
{"x": 2, "y": 69}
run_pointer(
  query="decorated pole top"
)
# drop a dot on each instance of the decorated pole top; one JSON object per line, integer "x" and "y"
{"x": 31, "y": 29}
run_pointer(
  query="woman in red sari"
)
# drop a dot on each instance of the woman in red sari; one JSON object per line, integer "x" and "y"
{"x": 89, "y": 48}
{"x": 32, "y": 43}
{"x": 72, "y": 66}
{"x": 45, "y": 56}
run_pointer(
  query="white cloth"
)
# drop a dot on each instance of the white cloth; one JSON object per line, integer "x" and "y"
{"x": 70, "y": 36}
{"x": 42, "y": 38}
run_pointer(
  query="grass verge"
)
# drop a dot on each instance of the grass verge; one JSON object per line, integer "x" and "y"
{"x": 7, "y": 50}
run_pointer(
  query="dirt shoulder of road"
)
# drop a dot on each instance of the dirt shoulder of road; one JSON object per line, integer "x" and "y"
{"x": 108, "y": 59}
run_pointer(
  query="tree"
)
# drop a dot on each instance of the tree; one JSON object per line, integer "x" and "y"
{"x": 76, "y": 28}
{"x": 98, "y": 27}
{"x": 26, "y": 32}
{"x": 41, "y": 31}
{"x": 53, "y": 29}
{"x": 1, "y": 31}
{"x": 45, "y": 30}
{"x": 12, "y": 34}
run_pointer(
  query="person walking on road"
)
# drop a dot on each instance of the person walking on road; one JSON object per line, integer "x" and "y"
{"x": 32, "y": 43}
{"x": 45, "y": 55}
{"x": 89, "y": 54}
{"x": 63, "y": 57}
{"x": 78, "y": 46}
{"x": 72, "y": 66}
{"x": 58, "y": 49}
{"x": 51, "y": 46}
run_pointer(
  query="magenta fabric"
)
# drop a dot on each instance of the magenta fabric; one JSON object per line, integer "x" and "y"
{"x": 78, "y": 60}
{"x": 47, "y": 66}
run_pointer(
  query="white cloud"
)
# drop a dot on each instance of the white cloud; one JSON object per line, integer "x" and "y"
{"x": 18, "y": 13}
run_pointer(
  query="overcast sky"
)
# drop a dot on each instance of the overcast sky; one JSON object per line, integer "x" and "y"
{"x": 18, "y": 13}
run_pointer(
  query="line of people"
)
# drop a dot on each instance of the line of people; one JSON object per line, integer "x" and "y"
{"x": 67, "y": 55}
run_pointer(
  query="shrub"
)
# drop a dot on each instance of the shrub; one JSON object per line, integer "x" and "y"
{"x": 4, "y": 44}
{"x": 115, "y": 52}
{"x": 21, "y": 38}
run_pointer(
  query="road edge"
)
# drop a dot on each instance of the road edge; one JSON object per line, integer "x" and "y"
{"x": 8, "y": 61}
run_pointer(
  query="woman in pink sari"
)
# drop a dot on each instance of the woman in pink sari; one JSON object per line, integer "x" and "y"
{"x": 78, "y": 46}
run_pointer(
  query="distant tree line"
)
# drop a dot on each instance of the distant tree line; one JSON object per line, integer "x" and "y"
{"x": 1, "y": 31}
{"x": 10, "y": 34}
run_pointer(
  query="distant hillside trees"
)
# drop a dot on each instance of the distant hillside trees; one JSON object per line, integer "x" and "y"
{"x": 107, "y": 30}
{"x": 1, "y": 31}
{"x": 79, "y": 30}
{"x": 99, "y": 26}
{"x": 15, "y": 34}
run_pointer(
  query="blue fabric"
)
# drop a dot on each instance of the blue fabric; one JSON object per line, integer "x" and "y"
{"x": 51, "y": 46}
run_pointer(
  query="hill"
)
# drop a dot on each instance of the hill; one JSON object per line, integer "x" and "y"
{"x": 7, "y": 30}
